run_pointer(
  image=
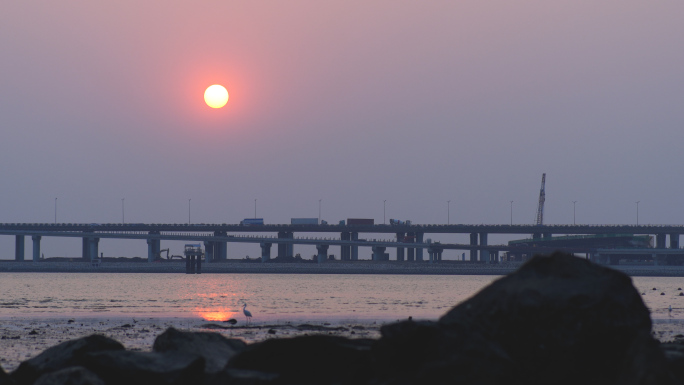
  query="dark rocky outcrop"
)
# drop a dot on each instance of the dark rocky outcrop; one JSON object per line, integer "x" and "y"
{"x": 64, "y": 355}
{"x": 215, "y": 348}
{"x": 75, "y": 375}
{"x": 557, "y": 320}
{"x": 674, "y": 354}
{"x": 317, "y": 359}
{"x": 5, "y": 379}
{"x": 142, "y": 368}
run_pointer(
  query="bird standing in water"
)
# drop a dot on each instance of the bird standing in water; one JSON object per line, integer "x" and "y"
{"x": 246, "y": 312}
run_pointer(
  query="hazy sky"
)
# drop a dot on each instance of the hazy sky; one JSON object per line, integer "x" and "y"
{"x": 352, "y": 102}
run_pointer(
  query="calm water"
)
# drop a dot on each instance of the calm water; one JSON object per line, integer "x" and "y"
{"x": 269, "y": 297}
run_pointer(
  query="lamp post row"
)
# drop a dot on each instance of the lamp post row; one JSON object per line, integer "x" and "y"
{"x": 384, "y": 211}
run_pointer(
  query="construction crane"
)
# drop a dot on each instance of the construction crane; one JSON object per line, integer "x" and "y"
{"x": 542, "y": 198}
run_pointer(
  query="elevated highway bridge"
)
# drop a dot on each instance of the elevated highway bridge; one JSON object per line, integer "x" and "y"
{"x": 410, "y": 241}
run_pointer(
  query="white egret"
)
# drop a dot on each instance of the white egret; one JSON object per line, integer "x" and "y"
{"x": 246, "y": 312}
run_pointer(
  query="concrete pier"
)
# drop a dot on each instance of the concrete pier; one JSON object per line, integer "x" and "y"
{"x": 419, "y": 251}
{"x": 345, "y": 250}
{"x": 209, "y": 251}
{"x": 94, "y": 248}
{"x": 660, "y": 241}
{"x": 411, "y": 252}
{"x": 484, "y": 254}
{"x": 379, "y": 253}
{"x": 473, "y": 242}
{"x": 85, "y": 249}
{"x": 285, "y": 249}
{"x": 400, "y": 250}
{"x": 435, "y": 254}
{"x": 265, "y": 251}
{"x": 153, "y": 247}
{"x": 354, "y": 249}
{"x": 322, "y": 253}
{"x": 220, "y": 251}
{"x": 220, "y": 247}
{"x": 674, "y": 241}
{"x": 36, "y": 247}
{"x": 19, "y": 248}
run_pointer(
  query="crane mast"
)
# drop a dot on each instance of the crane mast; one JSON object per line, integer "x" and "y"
{"x": 542, "y": 198}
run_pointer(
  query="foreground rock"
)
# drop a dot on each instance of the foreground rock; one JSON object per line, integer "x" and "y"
{"x": 213, "y": 347}
{"x": 64, "y": 355}
{"x": 142, "y": 368}
{"x": 75, "y": 375}
{"x": 5, "y": 378}
{"x": 557, "y": 320}
{"x": 317, "y": 359}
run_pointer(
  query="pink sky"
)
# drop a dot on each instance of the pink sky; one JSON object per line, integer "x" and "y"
{"x": 351, "y": 102}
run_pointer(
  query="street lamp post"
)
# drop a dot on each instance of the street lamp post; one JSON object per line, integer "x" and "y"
{"x": 254, "y": 208}
{"x": 573, "y": 212}
{"x": 448, "y": 212}
{"x": 383, "y": 211}
{"x": 319, "y": 211}
{"x": 189, "y": 199}
{"x": 123, "y": 217}
{"x": 637, "y": 204}
{"x": 55, "y": 210}
{"x": 511, "y": 213}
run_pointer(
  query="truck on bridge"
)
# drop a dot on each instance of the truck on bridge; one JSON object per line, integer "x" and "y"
{"x": 304, "y": 221}
{"x": 360, "y": 221}
{"x": 252, "y": 222}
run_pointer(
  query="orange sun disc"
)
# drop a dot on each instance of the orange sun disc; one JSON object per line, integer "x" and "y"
{"x": 216, "y": 96}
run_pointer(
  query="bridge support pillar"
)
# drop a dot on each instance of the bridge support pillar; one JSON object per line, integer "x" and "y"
{"x": 85, "y": 248}
{"x": 153, "y": 247}
{"x": 473, "y": 242}
{"x": 322, "y": 253}
{"x": 674, "y": 241}
{"x": 355, "y": 248}
{"x": 431, "y": 255}
{"x": 265, "y": 251}
{"x": 285, "y": 249}
{"x": 484, "y": 254}
{"x": 36, "y": 247}
{"x": 494, "y": 256}
{"x": 94, "y": 248}
{"x": 220, "y": 247}
{"x": 411, "y": 251}
{"x": 19, "y": 248}
{"x": 419, "y": 251}
{"x": 209, "y": 251}
{"x": 660, "y": 241}
{"x": 379, "y": 253}
{"x": 400, "y": 250}
{"x": 345, "y": 250}
{"x": 221, "y": 251}
{"x": 282, "y": 249}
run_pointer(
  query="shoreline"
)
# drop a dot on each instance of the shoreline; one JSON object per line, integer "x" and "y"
{"x": 24, "y": 338}
{"x": 331, "y": 267}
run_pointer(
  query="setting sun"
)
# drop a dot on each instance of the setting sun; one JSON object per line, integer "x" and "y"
{"x": 216, "y": 96}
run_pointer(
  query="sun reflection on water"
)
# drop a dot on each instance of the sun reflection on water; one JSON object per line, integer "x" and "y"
{"x": 215, "y": 314}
